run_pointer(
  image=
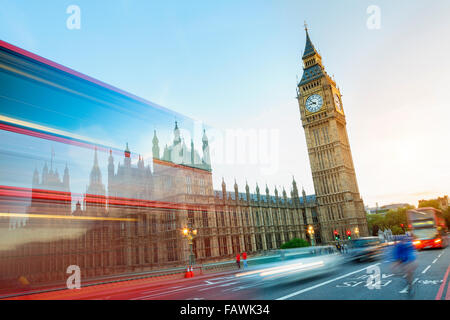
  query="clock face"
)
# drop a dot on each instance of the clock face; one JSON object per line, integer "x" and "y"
{"x": 337, "y": 102}
{"x": 314, "y": 103}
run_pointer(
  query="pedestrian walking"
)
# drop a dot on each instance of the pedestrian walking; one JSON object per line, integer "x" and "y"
{"x": 244, "y": 259}
{"x": 238, "y": 260}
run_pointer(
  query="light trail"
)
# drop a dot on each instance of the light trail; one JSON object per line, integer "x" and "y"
{"x": 56, "y": 216}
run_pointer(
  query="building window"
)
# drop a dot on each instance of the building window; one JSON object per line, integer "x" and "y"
{"x": 236, "y": 244}
{"x": 205, "y": 219}
{"x": 235, "y": 222}
{"x": 259, "y": 246}
{"x": 257, "y": 218}
{"x": 207, "y": 247}
{"x": 190, "y": 221}
{"x": 314, "y": 216}
{"x": 269, "y": 241}
{"x": 171, "y": 251}
{"x": 223, "y": 250}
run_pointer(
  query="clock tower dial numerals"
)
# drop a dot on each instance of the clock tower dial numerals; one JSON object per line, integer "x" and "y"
{"x": 314, "y": 103}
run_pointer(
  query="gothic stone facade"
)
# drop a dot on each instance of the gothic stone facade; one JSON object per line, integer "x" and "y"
{"x": 134, "y": 224}
{"x": 323, "y": 118}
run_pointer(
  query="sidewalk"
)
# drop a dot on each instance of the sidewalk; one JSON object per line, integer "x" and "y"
{"x": 121, "y": 286}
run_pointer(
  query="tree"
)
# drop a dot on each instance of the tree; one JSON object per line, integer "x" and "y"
{"x": 295, "y": 243}
{"x": 392, "y": 219}
{"x": 446, "y": 215}
{"x": 430, "y": 203}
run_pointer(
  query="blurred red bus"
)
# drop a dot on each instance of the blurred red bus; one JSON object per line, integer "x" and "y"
{"x": 428, "y": 228}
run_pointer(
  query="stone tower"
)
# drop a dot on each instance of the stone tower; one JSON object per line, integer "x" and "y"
{"x": 323, "y": 118}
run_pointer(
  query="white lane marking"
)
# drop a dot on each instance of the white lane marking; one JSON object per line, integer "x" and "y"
{"x": 324, "y": 283}
{"x": 220, "y": 280}
{"x": 426, "y": 269}
{"x": 207, "y": 288}
{"x": 405, "y": 290}
{"x": 434, "y": 260}
{"x": 222, "y": 285}
{"x": 228, "y": 284}
{"x": 166, "y": 292}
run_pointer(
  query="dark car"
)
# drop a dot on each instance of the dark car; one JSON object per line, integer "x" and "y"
{"x": 367, "y": 248}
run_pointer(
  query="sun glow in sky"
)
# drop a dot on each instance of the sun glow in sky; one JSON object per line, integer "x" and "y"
{"x": 233, "y": 65}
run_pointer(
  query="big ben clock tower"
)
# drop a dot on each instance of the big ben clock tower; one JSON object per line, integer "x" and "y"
{"x": 341, "y": 208}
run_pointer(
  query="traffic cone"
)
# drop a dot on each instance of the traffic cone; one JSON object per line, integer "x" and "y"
{"x": 188, "y": 273}
{"x": 192, "y": 272}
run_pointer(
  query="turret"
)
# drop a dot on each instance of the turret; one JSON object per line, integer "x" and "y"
{"x": 155, "y": 149}
{"x": 176, "y": 133}
{"x": 247, "y": 191}
{"x": 110, "y": 166}
{"x": 166, "y": 154}
{"x": 276, "y": 194}
{"x": 45, "y": 174}
{"x": 224, "y": 189}
{"x": 96, "y": 174}
{"x": 294, "y": 188}
{"x": 140, "y": 162}
{"x": 192, "y": 153}
{"x": 66, "y": 179}
{"x": 185, "y": 159}
{"x": 35, "y": 178}
{"x": 205, "y": 147}
{"x": 127, "y": 154}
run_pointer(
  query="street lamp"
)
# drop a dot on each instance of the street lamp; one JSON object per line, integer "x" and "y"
{"x": 311, "y": 234}
{"x": 357, "y": 232}
{"x": 190, "y": 235}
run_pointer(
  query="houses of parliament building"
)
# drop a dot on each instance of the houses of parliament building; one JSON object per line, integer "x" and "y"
{"x": 131, "y": 219}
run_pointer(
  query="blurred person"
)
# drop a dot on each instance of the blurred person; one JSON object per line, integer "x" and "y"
{"x": 238, "y": 260}
{"x": 404, "y": 260}
{"x": 244, "y": 259}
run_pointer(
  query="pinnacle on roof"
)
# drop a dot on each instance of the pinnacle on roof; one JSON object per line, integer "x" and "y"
{"x": 309, "y": 47}
{"x": 204, "y": 137}
{"x": 95, "y": 158}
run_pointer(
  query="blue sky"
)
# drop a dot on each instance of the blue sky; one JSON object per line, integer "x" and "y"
{"x": 233, "y": 64}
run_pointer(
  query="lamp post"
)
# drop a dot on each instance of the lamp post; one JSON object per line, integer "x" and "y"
{"x": 311, "y": 234}
{"x": 190, "y": 235}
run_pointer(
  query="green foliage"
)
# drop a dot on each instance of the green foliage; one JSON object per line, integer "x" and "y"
{"x": 392, "y": 219}
{"x": 446, "y": 215}
{"x": 295, "y": 243}
{"x": 430, "y": 203}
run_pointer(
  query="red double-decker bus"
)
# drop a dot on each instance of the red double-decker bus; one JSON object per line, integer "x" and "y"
{"x": 428, "y": 228}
